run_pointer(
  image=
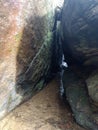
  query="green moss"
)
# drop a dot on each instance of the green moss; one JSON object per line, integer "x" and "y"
{"x": 40, "y": 85}
{"x": 18, "y": 37}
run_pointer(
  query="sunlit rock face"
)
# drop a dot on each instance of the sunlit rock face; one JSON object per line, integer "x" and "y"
{"x": 25, "y": 42}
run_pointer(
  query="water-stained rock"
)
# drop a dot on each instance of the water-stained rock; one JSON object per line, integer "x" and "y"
{"x": 25, "y": 42}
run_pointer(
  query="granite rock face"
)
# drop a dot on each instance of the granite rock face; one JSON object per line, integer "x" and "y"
{"x": 25, "y": 44}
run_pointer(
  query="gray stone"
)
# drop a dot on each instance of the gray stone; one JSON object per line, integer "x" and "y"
{"x": 79, "y": 31}
{"x": 79, "y": 40}
{"x": 92, "y": 84}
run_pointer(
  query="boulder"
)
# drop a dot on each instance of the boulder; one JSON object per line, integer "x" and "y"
{"x": 79, "y": 26}
{"x": 25, "y": 49}
{"x": 92, "y": 84}
{"x": 78, "y": 32}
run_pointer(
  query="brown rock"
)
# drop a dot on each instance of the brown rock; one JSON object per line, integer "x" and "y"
{"x": 25, "y": 41}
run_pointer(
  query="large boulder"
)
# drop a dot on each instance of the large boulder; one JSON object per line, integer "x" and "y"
{"x": 25, "y": 49}
{"x": 79, "y": 31}
{"x": 79, "y": 25}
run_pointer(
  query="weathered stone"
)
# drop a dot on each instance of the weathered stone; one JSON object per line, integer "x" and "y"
{"x": 76, "y": 95}
{"x": 79, "y": 38}
{"x": 79, "y": 31}
{"x": 92, "y": 84}
{"x": 25, "y": 44}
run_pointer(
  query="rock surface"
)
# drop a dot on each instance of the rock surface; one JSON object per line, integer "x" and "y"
{"x": 92, "y": 84}
{"x": 25, "y": 44}
{"x": 80, "y": 47}
{"x": 79, "y": 39}
{"x": 79, "y": 31}
{"x": 44, "y": 111}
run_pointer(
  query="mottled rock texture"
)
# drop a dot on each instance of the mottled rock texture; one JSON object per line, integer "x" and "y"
{"x": 92, "y": 83}
{"x": 80, "y": 31}
{"x": 79, "y": 39}
{"x": 79, "y": 25}
{"x": 25, "y": 44}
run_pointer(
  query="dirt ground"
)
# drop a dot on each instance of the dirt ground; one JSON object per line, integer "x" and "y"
{"x": 45, "y": 111}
